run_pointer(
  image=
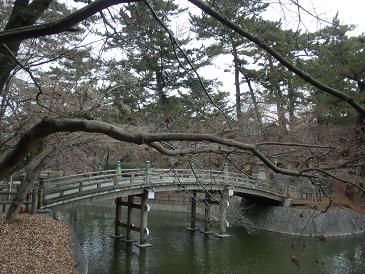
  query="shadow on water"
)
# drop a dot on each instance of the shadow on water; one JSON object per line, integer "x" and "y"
{"x": 176, "y": 250}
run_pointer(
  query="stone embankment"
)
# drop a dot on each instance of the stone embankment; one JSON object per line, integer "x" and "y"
{"x": 308, "y": 222}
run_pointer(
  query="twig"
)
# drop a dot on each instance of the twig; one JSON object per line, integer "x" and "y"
{"x": 30, "y": 74}
{"x": 175, "y": 43}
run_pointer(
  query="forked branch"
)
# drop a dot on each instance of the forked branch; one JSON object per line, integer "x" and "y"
{"x": 48, "y": 126}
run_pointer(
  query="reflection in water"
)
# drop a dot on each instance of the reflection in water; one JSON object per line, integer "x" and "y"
{"x": 176, "y": 250}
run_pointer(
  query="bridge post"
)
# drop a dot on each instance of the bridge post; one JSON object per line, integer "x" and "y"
{"x": 118, "y": 218}
{"x": 40, "y": 193}
{"x": 206, "y": 215}
{"x": 128, "y": 237}
{"x": 118, "y": 173}
{"x": 223, "y": 204}
{"x": 119, "y": 168}
{"x": 147, "y": 171}
{"x": 225, "y": 173}
{"x": 81, "y": 187}
{"x": 34, "y": 199}
{"x": 143, "y": 233}
{"x": 193, "y": 212}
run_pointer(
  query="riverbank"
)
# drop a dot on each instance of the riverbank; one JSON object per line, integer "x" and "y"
{"x": 36, "y": 244}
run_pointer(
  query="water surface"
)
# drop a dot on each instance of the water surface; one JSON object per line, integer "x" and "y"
{"x": 176, "y": 250}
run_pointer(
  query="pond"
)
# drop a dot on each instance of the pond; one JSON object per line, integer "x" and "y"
{"x": 177, "y": 250}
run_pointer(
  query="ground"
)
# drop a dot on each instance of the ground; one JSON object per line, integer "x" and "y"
{"x": 340, "y": 197}
{"x": 35, "y": 244}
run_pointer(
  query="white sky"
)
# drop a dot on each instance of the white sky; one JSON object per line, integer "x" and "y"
{"x": 350, "y": 12}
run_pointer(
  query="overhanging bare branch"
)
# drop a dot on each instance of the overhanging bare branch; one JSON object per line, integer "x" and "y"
{"x": 65, "y": 24}
{"x": 48, "y": 126}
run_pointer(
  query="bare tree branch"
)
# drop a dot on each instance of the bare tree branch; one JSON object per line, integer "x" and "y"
{"x": 48, "y": 126}
{"x": 293, "y": 145}
{"x": 30, "y": 74}
{"x": 65, "y": 24}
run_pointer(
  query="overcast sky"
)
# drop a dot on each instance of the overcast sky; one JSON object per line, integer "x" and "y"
{"x": 350, "y": 12}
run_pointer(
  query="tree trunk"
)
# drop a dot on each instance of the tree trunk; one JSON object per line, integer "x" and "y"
{"x": 291, "y": 103}
{"x": 23, "y": 14}
{"x": 254, "y": 101}
{"x": 31, "y": 174}
{"x": 278, "y": 95}
{"x": 162, "y": 98}
{"x": 279, "y": 106}
{"x": 361, "y": 87}
{"x": 237, "y": 82}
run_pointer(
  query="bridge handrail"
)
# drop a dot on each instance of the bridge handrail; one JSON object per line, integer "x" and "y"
{"x": 96, "y": 182}
{"x": 155, "y": 172}
{"x": 77, "y": 183}
{"x": 90, "y": 175}
{"x": 86, "y": 174}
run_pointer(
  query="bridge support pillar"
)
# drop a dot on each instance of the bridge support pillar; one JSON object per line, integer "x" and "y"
{"x": 118, "y": 218}
{"x": 129, "y": 226}
{"x": 207, "y": 215}
{"x": 143, "y": 233}
{"x": 193, "y": 212}
{"x": 223, "y": 204}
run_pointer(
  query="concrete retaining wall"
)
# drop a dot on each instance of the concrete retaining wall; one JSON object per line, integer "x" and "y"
{"x": 307, "y": 222}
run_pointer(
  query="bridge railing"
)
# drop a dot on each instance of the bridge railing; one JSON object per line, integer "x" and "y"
{"x": 94, "y": 182}
{"x": 184, "y": 174}
{"x": 6, "y": 198}
{"x": 240, "y": 179}
{"x": 88, "y": 182}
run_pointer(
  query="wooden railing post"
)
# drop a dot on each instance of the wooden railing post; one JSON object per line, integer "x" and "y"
{"x": 41, "y": 193}
{"x": 118, "y": 175}
{"x": 34, "y": 199}
{"x": 225, "y": 173}
{"x": 81, "y": 187}
{"x": 147, "y": 172}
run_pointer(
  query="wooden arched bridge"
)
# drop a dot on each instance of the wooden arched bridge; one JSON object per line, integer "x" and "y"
{"x": 122, "y": 183}
{"x": 136, "y": 186}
